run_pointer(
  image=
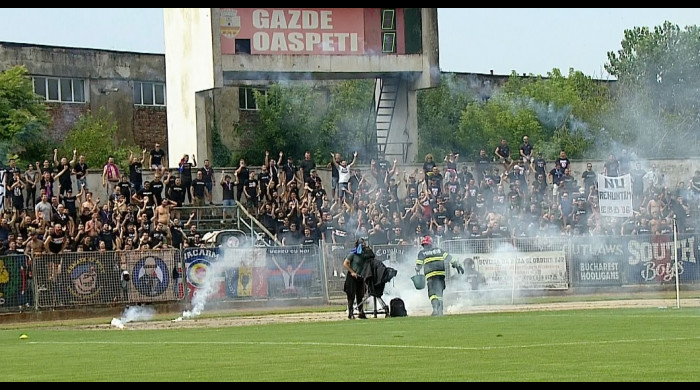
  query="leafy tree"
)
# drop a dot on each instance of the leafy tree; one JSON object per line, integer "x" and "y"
{"x": 347, "y": 126}
{"x": 483, "y": 125}
{"x": 556, "y": 112}
{"x": 657, "y": 100}
{"x": 569, "y": 110}
{"x": 23, "y": 118}
{"x": 286, "y": 121}
{"x": 439, "y": 113}
{"x": 94, "y": 136}
{"x": 295, "y": 117}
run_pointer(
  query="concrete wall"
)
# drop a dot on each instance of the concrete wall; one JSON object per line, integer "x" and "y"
{"x": 190, "y": 68}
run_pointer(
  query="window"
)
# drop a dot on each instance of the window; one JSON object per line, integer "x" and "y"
{"x": 64, "y": 90}
{"x": 388, "y": 42}
{"x": 246, "y": 98}
{"x": 388, "y": 30}
{"x": 388, "y": 19}
{"x": 149, "y": 94}
{"x": 242, "y": 46}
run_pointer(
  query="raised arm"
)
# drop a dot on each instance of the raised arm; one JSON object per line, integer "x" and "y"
{"x": 354, "y": 159}
{"x": 64, "y": 170}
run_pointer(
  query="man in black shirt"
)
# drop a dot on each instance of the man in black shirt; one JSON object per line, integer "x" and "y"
{"x": 266, "y": 179}
{"x": 526, "y": 154}
{"x": 228, "y": 195}
{"x": 70, "y": 202}
{"x": 483, "y": 166}
{"x": 540, "y": 165}
{"x": 590, "y": 178}
{"x": 176, "y": 193}
{"x": 289, "y": 169}
{"x": 136, "y": 170}
{"x": 177, "y": 236}
{"x": 199, "y": 190}
{"x": 64, "y": 180}
{"x": 159, "y": 237}
{"x": 307, "y": 165}
{"x": 250, "y": 188}
{"x": 185, "y": 168}
{"x": 107, "y": 235}
{"x": 157, "y": 186}
{"x": 242, "y": 176}
{"x": 80, "y": 170}
{"x": 146, "y": 194}
{"x": 124, "y": 188}
{"x": 335, "y": 176}
{"x": 503, "y": 153}
{"x": 208, "y": 177}
{"x": 157, "y": 157}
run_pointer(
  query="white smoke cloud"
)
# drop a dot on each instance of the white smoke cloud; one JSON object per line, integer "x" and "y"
{"x": 212, "y": 281}
{"x": 134, "y": 314}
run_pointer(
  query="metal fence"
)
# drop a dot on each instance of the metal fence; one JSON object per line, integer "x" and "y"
{"x": 315, "y": 271}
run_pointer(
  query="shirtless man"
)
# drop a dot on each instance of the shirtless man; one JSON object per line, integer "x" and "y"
{"x": 34, "y": 245}
{"x": 162, "y": 212}
{"x": 656, "y": 205}
{"x": 88, "y": 207}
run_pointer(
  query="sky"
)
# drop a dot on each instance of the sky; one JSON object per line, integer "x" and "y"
{"x": 472, "y": 40}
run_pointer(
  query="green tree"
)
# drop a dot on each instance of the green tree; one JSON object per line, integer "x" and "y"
{"x": 94, "y": 136}
{"x": 295, "y": 117}
{"x": 483, "y": 125}
{"x": 23, "y": 118}
{"x": 556, "y": 112}
{"x": 439, "y": 113}
{"x": 569, "y": 110}
{"x": 657, "y": 99}
{"x": 286, "y": 121}
{"x": 347, "y": 125}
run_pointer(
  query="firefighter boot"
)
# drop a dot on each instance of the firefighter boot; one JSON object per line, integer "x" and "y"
{"x": 440, "y": 312}
{"x": 436, "y": 307}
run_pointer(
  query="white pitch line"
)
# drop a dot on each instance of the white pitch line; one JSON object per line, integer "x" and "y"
{"x": 485, "y": 348}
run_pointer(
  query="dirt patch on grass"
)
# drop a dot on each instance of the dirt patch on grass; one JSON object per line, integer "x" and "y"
{"x": 228, "y": 319}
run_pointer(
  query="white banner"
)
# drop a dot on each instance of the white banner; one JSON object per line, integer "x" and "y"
{"x": 522, "y": 270}
{"x": 615, "y": 196}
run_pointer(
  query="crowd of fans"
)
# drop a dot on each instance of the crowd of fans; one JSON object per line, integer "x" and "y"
{"x": 495, "y": 196}
{"x": 48, "y": 207}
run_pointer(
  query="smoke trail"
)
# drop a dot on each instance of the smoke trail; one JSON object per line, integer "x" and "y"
{"x": 214, "y": 278}
{"x": 206, "y": 290}
{"x": 133, "y": 314}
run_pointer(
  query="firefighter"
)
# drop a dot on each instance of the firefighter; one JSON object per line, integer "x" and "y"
{"x": 432, "y": 261}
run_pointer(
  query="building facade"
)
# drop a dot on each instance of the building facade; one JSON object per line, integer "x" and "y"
{"x": 75, "y": 81}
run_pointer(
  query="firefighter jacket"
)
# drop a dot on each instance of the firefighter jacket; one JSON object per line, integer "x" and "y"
{"x": 433, "y": 261}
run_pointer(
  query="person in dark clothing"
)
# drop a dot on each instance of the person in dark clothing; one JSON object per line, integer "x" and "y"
{"x": 354, "y": 286}
{"x": 208, "y": 177}
{"x": 432, "y": 261}
{"x": 136, "y": 170}
{"x": 125, "y": 188}
{"x": 242, "y": 176}
{"x": 228, "y": 195}
{"x": 185, "y": 168}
